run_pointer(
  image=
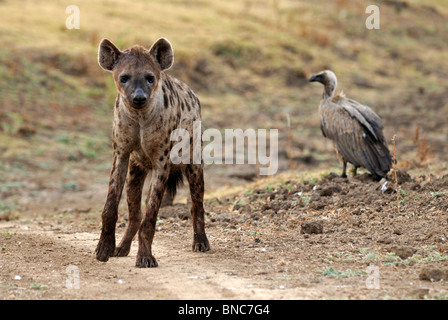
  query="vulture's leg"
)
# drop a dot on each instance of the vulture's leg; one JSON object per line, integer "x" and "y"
{"x": 354, "y": 170}
{"x": 344, "y": 169}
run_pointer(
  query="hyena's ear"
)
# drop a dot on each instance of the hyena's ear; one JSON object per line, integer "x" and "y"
{"x": 108, "y": 55}
{"x": 162, "y": 51}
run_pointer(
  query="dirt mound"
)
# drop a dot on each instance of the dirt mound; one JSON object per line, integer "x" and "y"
{"x": 357, "y": 195}
{"x": 339, "y": 222}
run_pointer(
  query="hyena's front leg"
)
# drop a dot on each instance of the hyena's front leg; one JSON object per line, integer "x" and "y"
{"x": 145, "y": 259}
{"x": 106, "y": 244}
{"x": 134, "y": 188}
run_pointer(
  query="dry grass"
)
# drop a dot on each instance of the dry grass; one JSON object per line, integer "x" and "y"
{"x": 247, "y": 60}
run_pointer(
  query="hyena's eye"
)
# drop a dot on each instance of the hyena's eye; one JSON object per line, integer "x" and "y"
{"x": 150, "y": 79}
{"x": 124, "y": 79}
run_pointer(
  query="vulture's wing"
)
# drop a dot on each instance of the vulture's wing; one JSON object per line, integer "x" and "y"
{"x": 368, "y": 115}
{"x": 357, "y": 139}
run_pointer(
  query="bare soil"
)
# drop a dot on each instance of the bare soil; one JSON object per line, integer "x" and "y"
{"x": 292, "y": 239}
{"x": 298, "y": 237}
{"x": 309, "y": 239}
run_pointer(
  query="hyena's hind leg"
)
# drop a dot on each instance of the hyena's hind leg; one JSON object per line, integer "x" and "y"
{"x": 195, "y": 177}
{"x": 167, "y": 200}
{"x": 134, "y": 188}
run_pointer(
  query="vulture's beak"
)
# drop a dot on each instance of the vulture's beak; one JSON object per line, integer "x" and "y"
{"x": 314, "y": 78}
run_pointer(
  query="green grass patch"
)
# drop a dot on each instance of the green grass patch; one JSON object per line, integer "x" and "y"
{"x": 334, "y": 273}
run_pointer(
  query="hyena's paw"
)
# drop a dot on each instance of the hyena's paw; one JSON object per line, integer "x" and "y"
{"x": 105, "y": 247}
{"x": 200, "y": 243}
{"x": 122, "y": 251}
{"x": 146, "y": 262}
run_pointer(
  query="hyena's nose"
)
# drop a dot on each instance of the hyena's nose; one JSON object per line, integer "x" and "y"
{"x": 139, "y": 98}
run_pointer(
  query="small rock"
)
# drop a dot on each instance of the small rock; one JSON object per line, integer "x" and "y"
{"x": 329, "y": 190}
{"x": 315, "y": 196}
{"x": 415, "y": 186}
{"x": 404, "y": 252}
{"x": 385, "y": 240}
{"x": 386, "y": 186}
{"x": 433, "y": 274}
{"x": 275, "y": 205}
{"x": 312, "y": 227}
{"x": 402, "y": 176}
{"x": 281, "y": 212}
{"x": 420, "y": 293}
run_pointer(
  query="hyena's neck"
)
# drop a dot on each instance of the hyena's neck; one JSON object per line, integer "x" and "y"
{"x": 172, "y": 94}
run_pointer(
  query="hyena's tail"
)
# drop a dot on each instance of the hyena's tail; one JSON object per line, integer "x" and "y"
{"x": 175, "y": 180}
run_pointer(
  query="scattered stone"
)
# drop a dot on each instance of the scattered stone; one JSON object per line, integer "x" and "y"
{"x": 402, "y": 176}
{"x": 312, "y": 227}
{"x": 404, "y": 252}
{"x": 386, "y": 186}
{"x": 385, "y": 240}
{"x": 315, "y": 196}
{"x": 415, "y": 186}
{"x": 329, "y": 190}
{"x": 180, "y": 211}
{"x": 420, "y": 293}
{"x": 281, "y": 212}
{"x": 433, "y": 274}
{"x": 275, "y": 205}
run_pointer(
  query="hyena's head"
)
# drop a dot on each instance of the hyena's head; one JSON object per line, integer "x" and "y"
{"x": 137, "y": 70}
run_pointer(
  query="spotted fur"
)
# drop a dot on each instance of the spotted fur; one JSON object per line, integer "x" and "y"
{"x": 150, "y": 104}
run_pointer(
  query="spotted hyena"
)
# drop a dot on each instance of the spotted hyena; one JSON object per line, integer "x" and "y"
{"x": 149, "y": 106}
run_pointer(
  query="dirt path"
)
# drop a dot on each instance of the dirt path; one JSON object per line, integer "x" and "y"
{"x": 43, "y": 262}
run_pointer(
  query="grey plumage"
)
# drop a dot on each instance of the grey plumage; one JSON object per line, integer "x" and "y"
{"x": 355, "y": 129}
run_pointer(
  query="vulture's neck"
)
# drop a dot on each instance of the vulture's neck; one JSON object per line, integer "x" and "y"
{"x": 330, "y": 87}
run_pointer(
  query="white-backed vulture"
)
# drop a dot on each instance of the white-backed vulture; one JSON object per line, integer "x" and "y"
{"x": 355, "y": 129}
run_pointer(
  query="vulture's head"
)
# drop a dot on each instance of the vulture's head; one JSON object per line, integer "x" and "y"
{"x": 324, "y": 77}
{"x": 328, "y": 79}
